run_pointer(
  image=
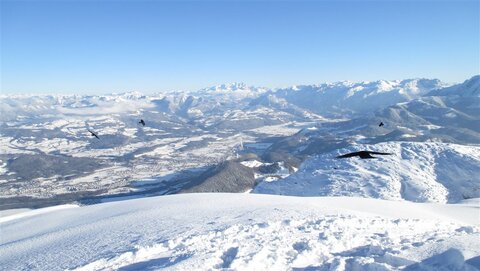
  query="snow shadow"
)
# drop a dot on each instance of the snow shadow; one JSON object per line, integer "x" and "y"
{"x": 308, "y": 268}
{"x": 377, "y": 253}
{"x": 475, "y": 261}
{"x": 228, "y": 257}
{"x": 155, "y": 264}
{"x": 451, "y": 259}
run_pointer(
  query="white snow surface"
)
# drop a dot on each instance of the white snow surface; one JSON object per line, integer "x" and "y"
{"x": 245, "y": 232}
{"x": 416, "y": 171}
{"x": 252, "y": 163}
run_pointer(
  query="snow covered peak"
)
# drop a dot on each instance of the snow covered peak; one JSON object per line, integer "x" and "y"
{"x": 230, "y": 87}
{"x": 346, "y": 97}
{"x": 383, "y": 85}
{"x": 416, "y": 87}
{"x": 469, "y": 88}
{"x": 232, "y": 90}
{"x": 131, "y": 95}
{"x": 421, "y": 172}
{"x": 409, "y": 87}
{"x": 423, "y": 83}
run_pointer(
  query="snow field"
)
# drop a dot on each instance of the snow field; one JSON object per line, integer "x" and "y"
{"x": 421, "y": 172}
{"x": 240, "y": 232}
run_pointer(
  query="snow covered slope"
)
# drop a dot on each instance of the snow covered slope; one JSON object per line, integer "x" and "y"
{"x": 347, "y": 98}
{"x": 469, "y": 88}
{"x": 245, "y": 232}
{"x": 450, "y": 115}
{"x": 422, "y": 172}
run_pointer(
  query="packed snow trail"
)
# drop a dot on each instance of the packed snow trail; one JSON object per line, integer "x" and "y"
{"x": 244, "y": 232}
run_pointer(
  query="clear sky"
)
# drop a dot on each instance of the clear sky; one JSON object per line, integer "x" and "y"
{"x": 150, "y": 46}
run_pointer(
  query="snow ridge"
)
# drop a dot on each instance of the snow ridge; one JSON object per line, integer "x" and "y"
{"x": 422, "y": 172}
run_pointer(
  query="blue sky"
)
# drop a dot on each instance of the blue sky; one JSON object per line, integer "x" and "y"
{"x": 150, "y": 46}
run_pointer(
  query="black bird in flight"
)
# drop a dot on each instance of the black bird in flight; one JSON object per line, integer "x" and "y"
{"x": 363, "y": 154}
{"x": 93, "y": 134}
{"x": 142, "y": 122}
{"x": 381, "y": 124}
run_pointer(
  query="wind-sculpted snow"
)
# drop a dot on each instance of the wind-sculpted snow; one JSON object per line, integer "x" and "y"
{"x": 422, "y": 172}
{"x": 244, "y": 232}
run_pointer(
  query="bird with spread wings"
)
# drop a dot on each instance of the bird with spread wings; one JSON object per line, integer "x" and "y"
{"x": 363, "y": 154}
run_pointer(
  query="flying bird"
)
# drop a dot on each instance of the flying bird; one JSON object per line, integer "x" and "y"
{"x": 381, "y": 124}
{"x": 363, "y": 154}
{"x": 93, "y": 134}
{"x": 142, "y": 122}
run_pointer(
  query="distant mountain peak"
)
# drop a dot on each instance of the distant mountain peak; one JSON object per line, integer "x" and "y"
{"x": 130, "y": 94}
{"x": 230, "y": 87}
{"x": 469, "y": 88}
{"x": 237, "y": 90}
{"x": 347, "y": 97}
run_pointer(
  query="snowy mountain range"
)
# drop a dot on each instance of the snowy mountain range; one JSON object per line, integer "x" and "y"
{"x": 346, "y": 99}
{"x": 415, "y": 208}
{"x": 188, "y": 132}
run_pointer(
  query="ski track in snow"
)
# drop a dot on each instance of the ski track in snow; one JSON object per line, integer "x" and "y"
{"x": 239, "y": 232}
